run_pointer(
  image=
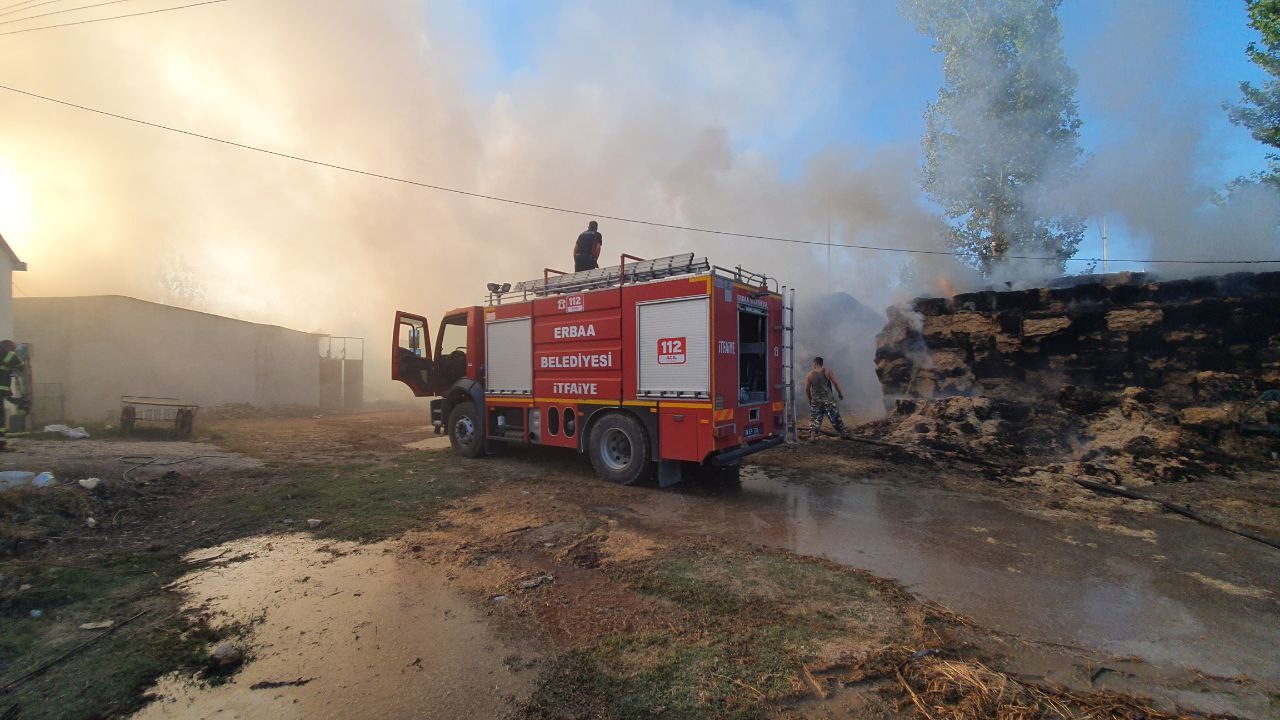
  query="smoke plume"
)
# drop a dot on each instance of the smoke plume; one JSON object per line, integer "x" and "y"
{"x": 611, "y": 120}
{"x": 666, "y": 110}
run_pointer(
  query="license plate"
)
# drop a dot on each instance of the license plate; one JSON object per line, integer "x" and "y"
{"x": 752, "y": 431}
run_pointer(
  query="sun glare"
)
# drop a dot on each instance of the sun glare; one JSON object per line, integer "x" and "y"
{"x": 17, "y": 216}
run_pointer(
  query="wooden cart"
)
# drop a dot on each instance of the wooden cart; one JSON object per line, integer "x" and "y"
{"x": 172, "y": 412}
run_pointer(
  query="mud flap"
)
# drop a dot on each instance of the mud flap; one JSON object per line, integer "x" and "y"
{"x": 669, "y": 472}
{"x": 437, "y": 415}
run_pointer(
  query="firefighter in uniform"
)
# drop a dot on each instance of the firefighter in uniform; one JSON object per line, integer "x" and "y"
{"x": 10, "y": 364}
{"x": 818, "y": 385}
{"x": 586, "y": 251}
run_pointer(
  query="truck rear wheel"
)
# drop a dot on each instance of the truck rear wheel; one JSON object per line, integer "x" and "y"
{"x": 619, "y": 449}
{"x": 466, "y": 430}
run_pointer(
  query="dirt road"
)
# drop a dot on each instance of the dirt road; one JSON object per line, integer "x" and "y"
{"x": 522, "y": 586}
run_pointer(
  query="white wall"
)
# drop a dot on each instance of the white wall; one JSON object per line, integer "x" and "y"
{"x": 6, "y": 298}
{"x": 102, "y": 347}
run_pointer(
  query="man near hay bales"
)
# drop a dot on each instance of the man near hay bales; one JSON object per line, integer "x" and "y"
{"x": 822, "y": 387}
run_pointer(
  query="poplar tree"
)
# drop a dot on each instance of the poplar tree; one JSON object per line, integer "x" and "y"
{"x": 1004, "y": 130}
{"x": 1259, "y": 110}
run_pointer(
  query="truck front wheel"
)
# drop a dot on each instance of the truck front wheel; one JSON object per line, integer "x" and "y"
{"x": 619, "y": 449}
{"x": 466, "y": 430}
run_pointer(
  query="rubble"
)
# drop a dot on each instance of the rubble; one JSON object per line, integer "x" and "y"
{"x": 76, "y": 433}
{"x": 1139, "y": 380}
{"x": 225, "y": 656}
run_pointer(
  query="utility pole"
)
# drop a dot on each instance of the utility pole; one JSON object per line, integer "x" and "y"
{"x": 829, "y": 288}
{"x": 1104, "y": 244}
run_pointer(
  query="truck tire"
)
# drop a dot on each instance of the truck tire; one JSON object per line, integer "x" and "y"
{"x": 466, "y": 430}
{"x": 619, "y": 449}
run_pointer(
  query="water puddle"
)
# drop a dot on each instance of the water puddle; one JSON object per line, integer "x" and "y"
{"x": 1169, "y": 590}
{"x": 342, "y": 630}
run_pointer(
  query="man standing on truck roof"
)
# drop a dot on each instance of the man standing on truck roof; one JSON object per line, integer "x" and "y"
{"x": 818, "y": 385}
{"x": 586, "y": 251}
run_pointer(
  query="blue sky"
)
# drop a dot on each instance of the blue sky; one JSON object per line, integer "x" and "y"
{"x": 893, "y": 74}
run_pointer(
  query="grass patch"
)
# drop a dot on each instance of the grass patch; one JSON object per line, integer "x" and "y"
{"x": 725, "y": 674}
{"x": 363, "y": 502}
{"x": 752, "y": 622}
{"x": 719, "y": 584}
{"x": 681, "y": 580}
{"x": 356, "y": 501}
{"x": 106, "y": 678}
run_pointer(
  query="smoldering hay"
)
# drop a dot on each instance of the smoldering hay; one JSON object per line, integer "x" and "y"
{"x": 668, "y": 112}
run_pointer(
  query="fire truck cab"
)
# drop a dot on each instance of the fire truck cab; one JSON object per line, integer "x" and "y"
{"x": 648, "y": 364}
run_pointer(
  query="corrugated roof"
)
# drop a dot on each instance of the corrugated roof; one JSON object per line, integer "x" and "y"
{"x": 17, "y": 264}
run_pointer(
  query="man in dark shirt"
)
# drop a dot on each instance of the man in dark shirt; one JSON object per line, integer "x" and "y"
{"x": 821, "y": 386}
{"x": 587, "y": 250}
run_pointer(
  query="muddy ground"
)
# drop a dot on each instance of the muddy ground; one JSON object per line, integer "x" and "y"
{"x": 833, "y": 580}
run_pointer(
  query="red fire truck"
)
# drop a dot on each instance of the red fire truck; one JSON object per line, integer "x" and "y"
{"x": 661, "y": 362}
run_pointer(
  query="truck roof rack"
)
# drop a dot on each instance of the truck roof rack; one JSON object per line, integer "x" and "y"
{"x": 639, "y": 271}
{"x": 555, "y": 282}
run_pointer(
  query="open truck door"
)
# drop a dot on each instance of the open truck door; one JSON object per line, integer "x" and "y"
{"x": 411, "y": 350}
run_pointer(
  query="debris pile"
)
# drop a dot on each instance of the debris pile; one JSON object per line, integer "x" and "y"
{"x": 1137, "y": 379}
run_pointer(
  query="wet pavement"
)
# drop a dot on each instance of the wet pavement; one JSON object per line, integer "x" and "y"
{"x": 1163, "y": 588}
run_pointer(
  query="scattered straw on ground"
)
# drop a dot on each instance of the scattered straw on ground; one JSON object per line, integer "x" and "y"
{"x": 942, "y": 689}
{"x": 1230, "y": 588}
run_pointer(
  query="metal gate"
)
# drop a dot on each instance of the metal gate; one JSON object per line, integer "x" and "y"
{"x": 341, "y": 373}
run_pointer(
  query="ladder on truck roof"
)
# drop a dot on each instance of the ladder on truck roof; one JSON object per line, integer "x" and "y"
{"x": 639, "y": 271}
{"x": 792, "y": 428}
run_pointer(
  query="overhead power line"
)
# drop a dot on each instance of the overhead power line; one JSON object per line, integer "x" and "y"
{"x": 58, "y": 12}
{"x": 11, "y": 9}
{"x": 580, "y": 212}
{"x": 24, "y": 2}
{"x": 114, "y": 17}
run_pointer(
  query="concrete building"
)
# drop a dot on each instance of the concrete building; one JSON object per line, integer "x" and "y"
{"x": 9, "y": 263}
{"x": 89, "y": 351}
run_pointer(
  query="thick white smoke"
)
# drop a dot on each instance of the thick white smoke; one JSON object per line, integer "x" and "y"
{"x": 1156, "y": 173}
{"x": 653, "y": 111}
{"x": 666, "y": 110}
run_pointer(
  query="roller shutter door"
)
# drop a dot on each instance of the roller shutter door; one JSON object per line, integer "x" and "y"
{"x": 674, "y": 347}
{"x": 509, "y": 361}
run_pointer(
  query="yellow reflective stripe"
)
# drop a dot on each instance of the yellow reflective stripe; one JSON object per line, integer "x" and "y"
{"x": 684, "y": 405}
